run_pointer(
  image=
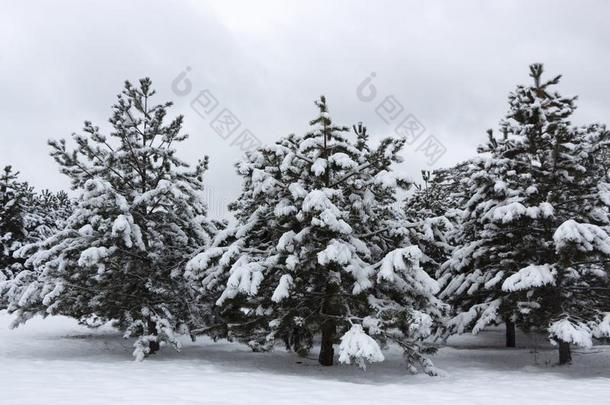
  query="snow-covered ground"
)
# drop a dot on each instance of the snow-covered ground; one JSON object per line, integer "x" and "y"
{"x": 55, "y": 361}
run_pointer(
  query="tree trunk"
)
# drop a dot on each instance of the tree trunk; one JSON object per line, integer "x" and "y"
{"x": 565, "y": 355}
{"x": 153, "y": 346}
{"x": 330, "y": 312}
{"x": 510, "y": 333}
{"x": 327, "y": 352}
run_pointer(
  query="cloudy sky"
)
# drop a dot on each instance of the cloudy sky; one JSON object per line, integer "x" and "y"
{"x": 448, "y": 63}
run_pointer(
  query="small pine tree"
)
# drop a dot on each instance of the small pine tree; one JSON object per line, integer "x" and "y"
{"x": 320, "y": 248}
{"x": 432, "y": 216}
{"x": 26, "y": 217}
{"x": 120, "y": 255}
{"x": 12, "y": 229}
{"x": 45, "y": 213}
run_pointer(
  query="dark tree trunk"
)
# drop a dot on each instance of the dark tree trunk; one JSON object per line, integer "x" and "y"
{"x": 510, "y": 334}
{"x": 327, "y": 352}
{"x": 330, "y": 311}
{"x": 286, "y": 339}
{"x": 565, "y": 355}
{"x": 153, "y": 346}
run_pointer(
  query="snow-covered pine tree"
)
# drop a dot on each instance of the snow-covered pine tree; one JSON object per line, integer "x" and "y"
{"x": 12, "y": 229}
{"x": 319, "y": 249}
{"x": 433, "y": 215}
{"x": 121, "y": 255}
{"x": 535, "y": 189}
{"x": 44, "y": 213}
{"x": 26, "y": 217}
{"x": 567, "y": 290}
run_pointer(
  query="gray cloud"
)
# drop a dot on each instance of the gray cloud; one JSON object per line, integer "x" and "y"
{"x": 449, "y": 63}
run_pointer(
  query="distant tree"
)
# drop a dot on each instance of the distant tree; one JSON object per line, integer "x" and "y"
{"x": 12, "y": 229}
{"x": 121, "y": 254}
{"x": 26, "y": 217}
{"x": 45, "y": 212}
{"x": 433, "y": 215}
{"x": 320, "y": 248}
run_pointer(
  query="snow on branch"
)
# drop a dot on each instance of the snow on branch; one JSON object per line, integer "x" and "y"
{"x": 403, "y": 265}
{"x": 94, "y": 256}
{"x": 571, "y": 332}
{"x": 602, "y": 329}
{"x": 385, "y": 179}
{"x": 515, "y": 210}
{"x": 529, "y": 277}
{"x": 604, "y": 192}
{"x": 336, "y": 252}
{"x": 585, "y": 237}
{"x": 245, "y": 277}
{"x": 283, "y": 288}
{"x": 359, "y": 347}
{"x": 483, "y": 314}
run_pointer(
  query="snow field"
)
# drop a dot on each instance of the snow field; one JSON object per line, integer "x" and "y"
{"x": 56, "y": 361}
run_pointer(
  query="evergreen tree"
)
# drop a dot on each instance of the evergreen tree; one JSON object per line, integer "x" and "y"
{"x": 433, "y": 215}
{"x": 534, "y": 189}
{"x": 45, "y": 213}
{"x": 120, "y": 255}
{"x": 320, "y": 248}
{"x": 12, "y": 230}
{"x": 26, "y": 217}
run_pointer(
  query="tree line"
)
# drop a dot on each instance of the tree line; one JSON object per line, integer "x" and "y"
{"x": 321, "y": 247}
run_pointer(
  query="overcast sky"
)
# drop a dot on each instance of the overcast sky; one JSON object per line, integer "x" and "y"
{"x": 451, "y": 64}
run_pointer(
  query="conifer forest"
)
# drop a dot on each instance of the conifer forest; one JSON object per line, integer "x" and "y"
{"x": 304, "y": 202}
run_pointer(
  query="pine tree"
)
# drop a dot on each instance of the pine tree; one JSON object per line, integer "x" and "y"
{"x": 433, "y": 215}
{"x": 26, "y": 217}
{"x": 45, "y": 213}
{"x": 533, "y": 186}
{"x": 320, "y": 248}
{"x": 567, "y": 289}
{"x": 140, "y": 215}
{"x": 12, "y": 229}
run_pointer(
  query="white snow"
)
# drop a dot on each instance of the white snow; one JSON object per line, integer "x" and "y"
{"x": 385, "y": 179}
{"x": 317, "y": 200}
{"x": 336, "y": 252}
{"x": 93, "y": 255}
{"x": 245, "y": 277}
{"x": 500, "y": 186}
{"x": 328, "y": 219}
{"x": 460, "y": 322}
{"x": 57, "y": 362}
{"x": 603, "y": 328}
{"x": 488, "y": 315}
{"x": 319, "y": 167}
{"x": 122, "y": 228}
{"x": 359, "y": 347}
{"x": 86, "y": 230}
{"x": 604, "y": 192}
{"x": 508, "y": 213}
{"x": 394, "y": 266}
{"x": 286, "y": 242}
{"x": 586, "y": 237}
{"x": 297, "y": 190}
{"x": 342, "y": 160}
{"x": 529, "y": 277}
{"x": 573, "y": 332}
{"x": 283, "y": 288}
{"x": 421, "y": 324}
{"x": 284, "y": 208}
